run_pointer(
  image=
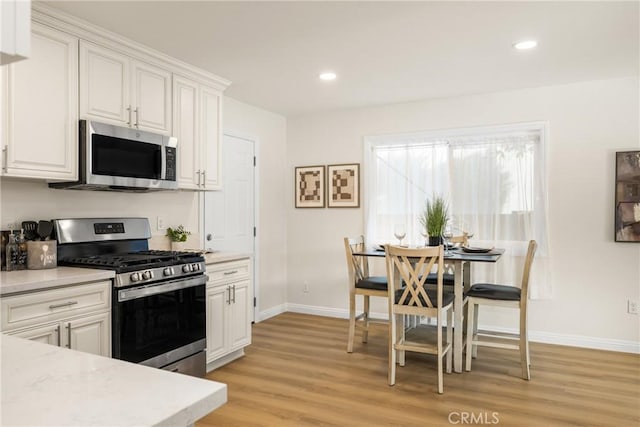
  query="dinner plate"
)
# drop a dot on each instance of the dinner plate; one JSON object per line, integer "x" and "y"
{"x": 472, "y": 250}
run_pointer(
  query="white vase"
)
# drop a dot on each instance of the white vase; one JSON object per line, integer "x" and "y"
{"x": 178, "y": 246}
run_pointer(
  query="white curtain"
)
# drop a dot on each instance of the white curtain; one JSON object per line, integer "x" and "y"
{"x": 494, "y": 182}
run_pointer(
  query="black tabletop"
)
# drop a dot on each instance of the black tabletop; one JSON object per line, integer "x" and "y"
{"x": 453, "y": 254}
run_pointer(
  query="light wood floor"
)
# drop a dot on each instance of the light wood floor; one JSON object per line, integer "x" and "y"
{"x": 297, "y": 373}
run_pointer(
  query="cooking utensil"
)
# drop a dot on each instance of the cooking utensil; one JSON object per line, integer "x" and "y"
{"x": 44, "y": 229}
{"x": 30, "y": 230}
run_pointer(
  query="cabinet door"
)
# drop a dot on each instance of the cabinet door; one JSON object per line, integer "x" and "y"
{"x": 217, "y": 306}
{"x": 151, "y": 98}
{"x": 90, "y": 334}
{"x": 185, "y": 128}
{"x": 239, "y": 319}
{"x": 104, "y": 85}
{"x": 42, "y": 113}
{"x": 211, "y": 128}
{"x": 49, "y": 334}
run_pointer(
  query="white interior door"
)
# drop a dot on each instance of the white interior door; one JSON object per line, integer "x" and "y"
{"x": 229, "y": 214}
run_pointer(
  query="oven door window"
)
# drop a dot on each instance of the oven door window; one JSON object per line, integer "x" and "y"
{"x": 148, "y": 326}
{"x": 113, "y": 156}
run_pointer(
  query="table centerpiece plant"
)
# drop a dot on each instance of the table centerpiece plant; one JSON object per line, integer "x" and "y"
{"x": 434, "y": 218}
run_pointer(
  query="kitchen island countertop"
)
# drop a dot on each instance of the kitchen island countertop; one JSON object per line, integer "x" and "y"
{"x": 45, "y": 385}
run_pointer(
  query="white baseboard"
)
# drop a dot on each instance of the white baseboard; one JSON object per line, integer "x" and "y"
{"x": 273, "y": 311}
{"x": 534, "y": 336}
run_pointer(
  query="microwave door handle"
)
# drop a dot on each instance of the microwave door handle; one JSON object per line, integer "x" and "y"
{"x": 163, "y": 162}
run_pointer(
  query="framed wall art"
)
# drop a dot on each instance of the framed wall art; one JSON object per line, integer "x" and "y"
{"x": 628, "y": 196}
{"x": 344, "y": 185}
{"x": 310, "y": 187}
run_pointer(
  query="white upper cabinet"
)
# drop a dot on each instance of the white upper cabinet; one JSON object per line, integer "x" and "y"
{"x": 211, "y": 113}
{"x": 117, "y": 89}
{"x": 15, "y": 21}
{"x": 197, "y": 125}
{"x": 41, "y": 109}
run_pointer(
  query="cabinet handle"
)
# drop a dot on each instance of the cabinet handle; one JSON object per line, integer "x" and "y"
{"x": 137, "y": 111}
{"x": 228, "y": 273}
{"x": 68, "y": 335}
{"x": 64, "y": 304}
{"x": 5, "y": 155}
{"x": 228, "y": 295}
{"x": 59, "y": 335}
{"x": 129, "y": 110}
{"x": 234, "y": 294}
{"x": 204, "y": 178}
{"x": 198, "y": 174}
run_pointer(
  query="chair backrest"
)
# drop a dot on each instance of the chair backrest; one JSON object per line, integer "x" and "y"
{"x": 524, "y": 287}
{"x": 411, "y": 268}
{"x": 357, "y": 266}
{"x": 462, "y": 239}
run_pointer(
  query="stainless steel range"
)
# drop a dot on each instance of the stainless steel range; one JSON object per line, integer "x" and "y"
{"x": 158, "y": 299}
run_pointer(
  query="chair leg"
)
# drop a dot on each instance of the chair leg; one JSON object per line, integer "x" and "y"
{"x": 392, "y": 350}
{"x": 365, "y": 332}
{"x": 440, "y": 379}
{"x": 474, "y": 351}
{"x": 524, "y": 346}
{"x": 471, "y": 305}
{"x": 449, "y": 339}
{"x": 400, "y": 332}
{"x": 352, "y": 321}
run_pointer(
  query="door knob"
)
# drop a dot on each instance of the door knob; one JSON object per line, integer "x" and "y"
{"x": 209, "y": 237}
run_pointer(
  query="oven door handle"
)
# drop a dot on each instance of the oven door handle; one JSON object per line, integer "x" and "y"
{"x": 144, "y": 291}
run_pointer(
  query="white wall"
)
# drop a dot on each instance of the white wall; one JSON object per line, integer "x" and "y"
{"x": 592, "y": 276}
{"x": 269, "y": 129}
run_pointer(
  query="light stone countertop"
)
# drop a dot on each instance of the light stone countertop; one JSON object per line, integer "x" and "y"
{"x": 33, "y": 280}
{"x": 45, "y": 385}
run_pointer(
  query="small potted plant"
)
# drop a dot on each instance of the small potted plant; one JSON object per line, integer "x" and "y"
{"x": 178, "y": 237}
{"x": 434, "y": 219}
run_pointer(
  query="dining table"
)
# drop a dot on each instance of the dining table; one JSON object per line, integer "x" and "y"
{"x": 460, "y": 261}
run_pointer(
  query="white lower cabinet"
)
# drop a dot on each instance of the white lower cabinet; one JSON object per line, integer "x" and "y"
{"x": 229, "y": 305}
{"x": 77, "y": 317}
{"x": 90, "y": 334}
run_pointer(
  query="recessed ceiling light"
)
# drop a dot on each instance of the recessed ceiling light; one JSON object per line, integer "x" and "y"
{"x": 526, "y": 44}
{"x": 328, "y": 76}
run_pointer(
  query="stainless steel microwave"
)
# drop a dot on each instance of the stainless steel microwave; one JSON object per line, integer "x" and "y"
{"x": 123, "y": 159}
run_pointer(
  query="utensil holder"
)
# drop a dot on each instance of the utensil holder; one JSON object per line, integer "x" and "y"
{"x": 42, "y": 255}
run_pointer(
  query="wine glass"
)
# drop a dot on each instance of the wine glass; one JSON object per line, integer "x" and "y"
{"x": 425, "y": 235}
{"x": 447, "y": 234}
{"x": 399, "y": 231}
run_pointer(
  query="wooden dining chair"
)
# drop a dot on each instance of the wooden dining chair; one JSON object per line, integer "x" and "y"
{"x": 408, "y": 295}
{"x": 448, "y": 277}
{"x": 360, "y": 283}
{"x": 501, "y": 296}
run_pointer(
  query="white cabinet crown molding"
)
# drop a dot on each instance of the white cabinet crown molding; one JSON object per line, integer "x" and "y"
{"x": 50, "y": 16}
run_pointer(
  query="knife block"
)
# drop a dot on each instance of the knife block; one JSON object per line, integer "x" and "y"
{"x": 42, "y": 255}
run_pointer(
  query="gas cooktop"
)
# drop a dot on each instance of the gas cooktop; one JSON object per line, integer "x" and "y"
{"x": 132, "y": 261}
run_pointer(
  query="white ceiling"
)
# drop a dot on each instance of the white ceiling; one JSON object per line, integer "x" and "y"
{"x": 383, "y": 52}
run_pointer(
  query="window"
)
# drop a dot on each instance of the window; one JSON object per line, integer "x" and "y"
{"x": 492, "y": 178}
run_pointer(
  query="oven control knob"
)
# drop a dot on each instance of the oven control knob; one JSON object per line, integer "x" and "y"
{"x": 195, "y": 267}
{"x": 186, "y": 268}
{"x": 168, "y": 271}
{"x": 147, "y": 275}
{"x": 134, "y": 277}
